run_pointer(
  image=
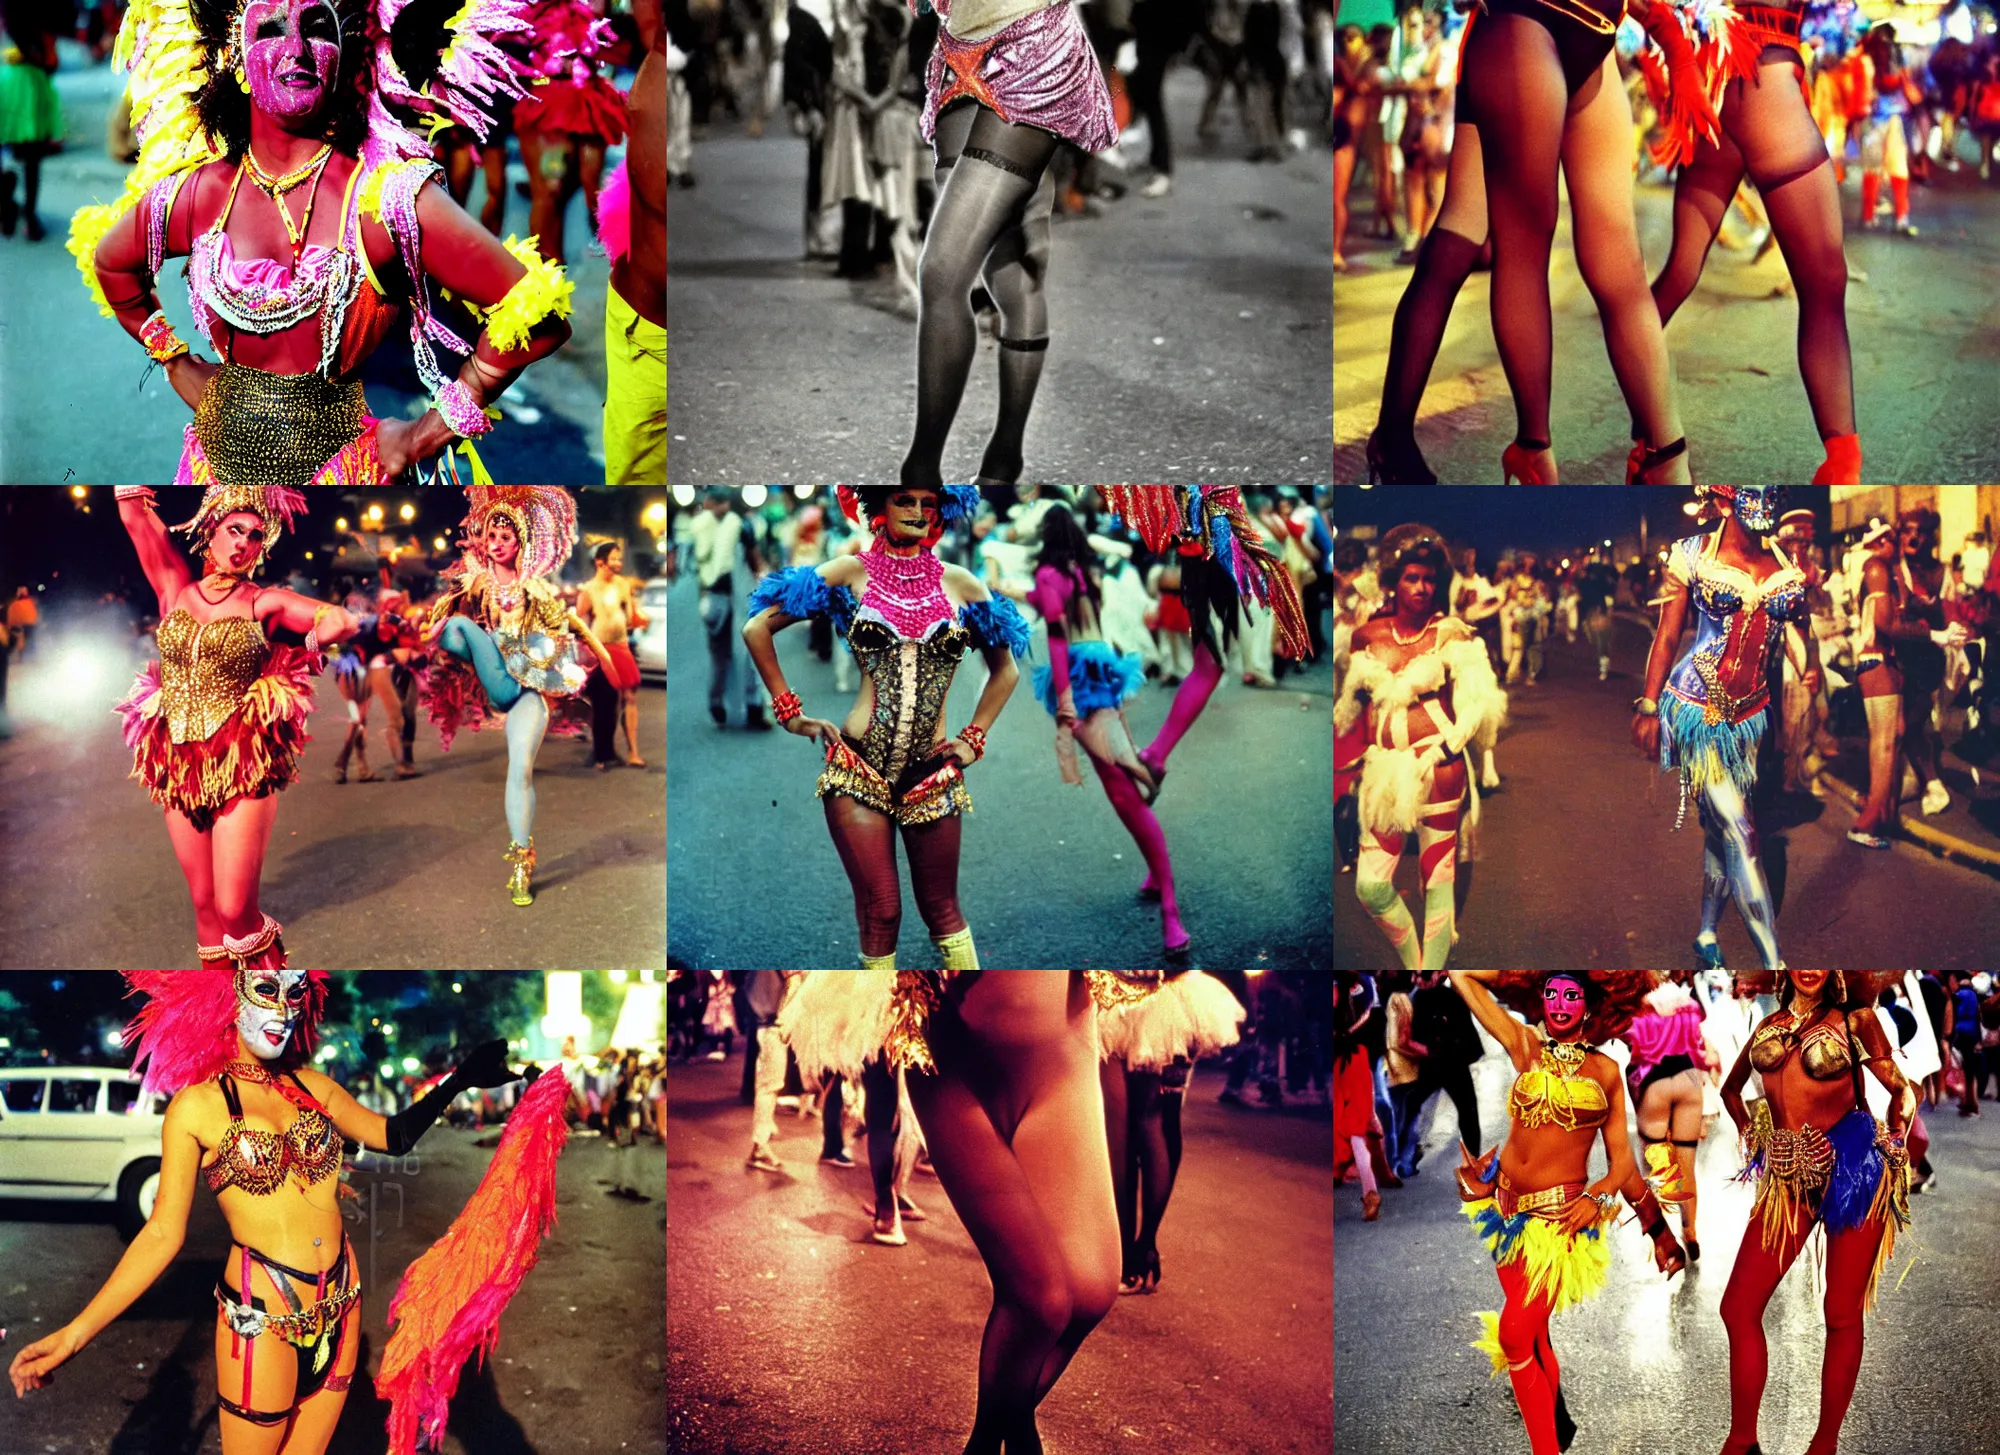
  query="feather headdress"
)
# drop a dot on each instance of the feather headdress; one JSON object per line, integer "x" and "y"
{"x": 450, "y": 1301}
{"x": 185, "y": 1033}
{"x": 278, "y": 506}
{"x": 543, "y": 516}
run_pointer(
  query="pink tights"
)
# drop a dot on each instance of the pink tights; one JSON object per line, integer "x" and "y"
{"x": 1152, "y": 841}
{"x": 1192, "y": 697}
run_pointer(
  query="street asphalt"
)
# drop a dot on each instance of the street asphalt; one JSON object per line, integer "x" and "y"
{"x": 790, "y": 1333}
{"x": 372, "y": 876}
{"x": 1920, "y": 328}
{"x": 577, "y": 1370}
{"x": 79, "y": 405}
{"x": 1048, "y": 877}
{"x": 1189, "y": 333}
{"x": 1645, "y": 1363}
{"x": 1579, "y": 867}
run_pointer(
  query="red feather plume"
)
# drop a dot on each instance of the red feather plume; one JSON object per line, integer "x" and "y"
{"x": 185, "y": 1033}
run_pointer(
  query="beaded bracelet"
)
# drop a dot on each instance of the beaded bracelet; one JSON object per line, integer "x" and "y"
{"x": 459, "y": 409}
{"x": 158, "y": 335}
{"x": 133, "y": 492}
{"x": 974, "y": 737}
{"x": 786, "y": 706}
{"x": 312, "y": 633}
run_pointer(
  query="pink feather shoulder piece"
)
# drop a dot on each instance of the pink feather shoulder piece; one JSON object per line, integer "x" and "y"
{"x": 614, "y": 213}
{"x": 450, "y": 1301}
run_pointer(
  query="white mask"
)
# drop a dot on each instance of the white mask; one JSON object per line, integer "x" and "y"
{"x": 268, "y": 1006}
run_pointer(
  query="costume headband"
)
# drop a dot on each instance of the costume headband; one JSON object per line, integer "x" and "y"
{"x": 277, "y": 506}
{"x": 543, "y": 516}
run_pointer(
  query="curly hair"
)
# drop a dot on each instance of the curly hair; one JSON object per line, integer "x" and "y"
{"x": 1413, "y": 545}
{"x": 1066, "y": 548}
{"x": 223, "y": 107}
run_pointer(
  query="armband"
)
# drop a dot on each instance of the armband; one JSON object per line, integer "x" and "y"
{"x": 1646, "y": 706}
{"x": 457, "y": 407}
{"x": 158, "y": 335}
{"x": 786, "y": 706}
{"x": 133, "y": 492}
{"x": 974, "y": 737}
{"x": 543, "y": 291}
{"x": 312, "y": 632}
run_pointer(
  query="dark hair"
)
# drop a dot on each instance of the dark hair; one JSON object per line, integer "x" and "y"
{"x": 223, "y": 107}
{"x": 1067, "y": 549}
{"x": 603, "y": 551}
{"x": 1414, "y": 545}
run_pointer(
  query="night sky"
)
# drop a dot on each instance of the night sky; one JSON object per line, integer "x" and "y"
{"x": 48, "y": 542}
{"x": 1559, "y": 520}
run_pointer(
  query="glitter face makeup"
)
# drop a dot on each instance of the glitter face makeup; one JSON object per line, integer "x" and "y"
{"x": 291, "y": 55}
{"x": 1563, "y": 1004}
{"x": 268, "y": 1006}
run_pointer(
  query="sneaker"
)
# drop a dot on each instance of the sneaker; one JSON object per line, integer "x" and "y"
{"x": 761, "y": 1160}
{"x": 840, "y": 1160}
{"x": 716, "y": 1056}
{"x": 1936, "y": 799}
{"x": 1866, "y": 840}
{"x": 1157, "y": 185}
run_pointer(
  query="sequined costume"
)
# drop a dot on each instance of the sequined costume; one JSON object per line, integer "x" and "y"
{"x": 1038, "y": 70}
{"x": 529, "y": 623}
{"x": 1194, "y": 1015}
{"x": 908, "y": 637}
{"x": 836, "y": 1021}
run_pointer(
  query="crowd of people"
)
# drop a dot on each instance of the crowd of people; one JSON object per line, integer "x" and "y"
{"x": 1752, "y": 110}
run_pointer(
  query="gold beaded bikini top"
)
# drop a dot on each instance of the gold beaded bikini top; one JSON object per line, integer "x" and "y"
{"x": 260, "y": 1162}
{"x": 1555, "y": 1092}
{"x": 1823, "y": 1050}
{"x": 205, "y": 669}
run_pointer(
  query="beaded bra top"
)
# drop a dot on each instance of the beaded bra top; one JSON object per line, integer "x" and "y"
{"x": 260, "y": 1162}
{"x": 1555, "y": 1093}
{"x": 1738, "y": 628}
{"x": 206, "y": 667}
{"x": 1824, "y": 1050}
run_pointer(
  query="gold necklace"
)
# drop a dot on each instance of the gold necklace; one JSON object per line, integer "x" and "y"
{"x": 201, "y": 587}
{"x": 271, "y": 186}
{"x": 1566, "y": 1054}
{"x": 275, "y": 188}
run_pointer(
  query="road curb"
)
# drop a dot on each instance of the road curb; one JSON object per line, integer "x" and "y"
{"x": 1948, "y": 846}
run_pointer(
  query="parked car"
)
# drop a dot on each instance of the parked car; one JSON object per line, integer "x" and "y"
{"x": 649, "y": 643}
{"x": 80, "y": 1134}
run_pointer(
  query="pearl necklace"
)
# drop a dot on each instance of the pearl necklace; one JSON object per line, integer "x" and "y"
{"x": 1403, "y": 641}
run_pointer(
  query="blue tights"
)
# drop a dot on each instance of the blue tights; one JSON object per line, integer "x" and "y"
{"x": 527, "y": 717}
{"x": 1729, "y": 868}
{"x": 469, "y": 642}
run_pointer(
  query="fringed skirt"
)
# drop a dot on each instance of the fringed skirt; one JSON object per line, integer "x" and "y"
{"x": 1708, "y": 752}
{"x": 253, "y": 754}
{"x": 1193, "y": 1015}
{"x": 1099, "y": 676}
{"x": 1564, "y": 1268}
{"x": 1838, "y": 1178}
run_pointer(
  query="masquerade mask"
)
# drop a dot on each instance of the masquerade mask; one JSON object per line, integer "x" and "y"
{"x": 1756, "y": 506}
{"x": 268, "y": 1006}
{"x": 291, "y": 54}
{"x": 1563, "y": 1003}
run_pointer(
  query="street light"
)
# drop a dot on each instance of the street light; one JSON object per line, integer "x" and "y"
{"x": 683, "y": 495}
{"x": 438, "y": 543}
{"x": 656, "y": 516}
{"x": 804, "y": 492}
{"x": 753, "y": 496}
{"x": 457, "y": 988}
{"x": 410, "y": 1063}
{"x": 340, "y": 524}
{"x": 408, "y": 512}
{"x": 78, "y": 492}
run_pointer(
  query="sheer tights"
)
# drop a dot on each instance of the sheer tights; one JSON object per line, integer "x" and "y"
{"x": 1770, "y": 136}
{"x": 866, "y": 842}
{"x": 1530, "y": 128}
{"x": 995, "y": 197}
{"x": 1189, "y": 700}
{"x": 1850, "y": 1258}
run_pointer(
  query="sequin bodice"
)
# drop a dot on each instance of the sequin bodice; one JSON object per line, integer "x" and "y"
{"x": 1738, "y": 628}
{"x": 1555, "y": 1092}
{"x": 911, "y": 679}
{"x": 1823, "y": 1051}
{"x": 205, "y": 668}
{"x": 260, "y": 1162}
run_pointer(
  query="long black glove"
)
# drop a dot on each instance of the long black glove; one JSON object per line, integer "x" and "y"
{"x": 485, "y": 1067}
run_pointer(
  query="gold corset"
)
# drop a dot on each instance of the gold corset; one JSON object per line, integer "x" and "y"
{"x": 911, "y": 680}
{"x": 1824, "y": 1051}
{"x": 1555, "y": 1092}
{"x": 205, "y": 668}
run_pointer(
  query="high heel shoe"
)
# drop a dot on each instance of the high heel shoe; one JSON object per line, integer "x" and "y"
{"x": 1653, "y": 459}
{"x": 520, "y": 878}
{"x": 1397, "y": 461}
{"x": 1842, "y": 465}
{"x": 1518, "y": 462}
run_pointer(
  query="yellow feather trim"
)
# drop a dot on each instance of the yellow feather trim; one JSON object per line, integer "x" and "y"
{"x": 1488, "y": 1343}
{"x": 1563, "y": 1269}
{"x": 376, "y": 180}
{"x": 542, "y": 291}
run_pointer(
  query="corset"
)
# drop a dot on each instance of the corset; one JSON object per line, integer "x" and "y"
{"x": 205, "y": 669}
{"x": 1738, "y": 627}
{"x": 911, "y": 679}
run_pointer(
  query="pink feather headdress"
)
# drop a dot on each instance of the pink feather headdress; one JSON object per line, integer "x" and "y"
{"x": 185, "y": 1033}
{"x": 450, "y": 1301}
{"x": 277, "y": 506}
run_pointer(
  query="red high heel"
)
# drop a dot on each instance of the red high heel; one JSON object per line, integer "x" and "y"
{"x": 1842, "y": 465}
{"x": 1651, "y": 460}
{"x": 1517, "y": 462}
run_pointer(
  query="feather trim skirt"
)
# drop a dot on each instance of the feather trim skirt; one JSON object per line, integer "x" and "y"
{"x": 253, "y": 754}
{"x": 836, "y": 1021}
{"x": 1566, "y": 1269}
{"x": 1192, "y": 1015}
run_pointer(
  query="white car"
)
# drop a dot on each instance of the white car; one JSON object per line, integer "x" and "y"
{"x": 80, "y": 1134}
{"x": 649, "y": 643}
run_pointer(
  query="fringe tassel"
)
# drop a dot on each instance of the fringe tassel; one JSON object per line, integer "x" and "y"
{"x": 450, "y": 1301}
{"x": 1563, "y": 1269}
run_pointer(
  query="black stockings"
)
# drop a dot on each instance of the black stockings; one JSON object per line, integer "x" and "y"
{"x": 866, "y": 842}
{"x": 995, "y": 197}
{"x": 1142, "y": 1120}
{"x": 1770, "y": 136}
{"x": 879, "y": 1113}
{"x": 1444, "y": 261}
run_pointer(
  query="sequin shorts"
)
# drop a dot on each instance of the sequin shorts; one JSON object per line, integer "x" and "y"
{"x": 939, "y": 795}
{"x": 256, "y": 428}
{"x": 1040, "y": 71}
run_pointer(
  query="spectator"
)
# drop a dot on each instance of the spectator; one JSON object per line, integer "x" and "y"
{"x": 720, "y": 544}
{"x": 1443, "y": 1026}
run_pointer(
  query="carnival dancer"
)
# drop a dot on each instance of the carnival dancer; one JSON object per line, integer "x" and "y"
{"x": 310, "y": 101}
{"x": 1223, "y": 557}
{"x": 1422, "y": 685}
{"x": 1819, "y": 1158}
{"x": 908, "y": 618}
{"x": 1001, "y": 1071}
{"x": 1148, "y": 1051}
{"x": 1084, "y": 688}
{"x": 1753, "y": 71}
{"x": 1008, "y": 82}
{"x": 613, "y": 616}
{"x": 1667, "y": 1076}
{"x": 510, "y": 642}
{"x": 252, "y": 1119}
{"x": 216, "y": 724}
{"x": 1704, "y": 714}
{"x": 569, "y": 116}
{"x": 1534, "y": 1212}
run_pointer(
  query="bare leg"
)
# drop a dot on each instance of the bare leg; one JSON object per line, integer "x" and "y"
{"x": 241, "y": 833}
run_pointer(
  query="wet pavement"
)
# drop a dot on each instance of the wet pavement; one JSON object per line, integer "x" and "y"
{"x": 1645, "y": 1362}
{"x": 789, "y": 1333}
{"x": 577, "y": 1370}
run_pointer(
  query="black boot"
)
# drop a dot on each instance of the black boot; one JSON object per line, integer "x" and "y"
{"x": 1565, "y": 1426}
{"x": 1347, "y": 830}
{"x": 10, "y": 212}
